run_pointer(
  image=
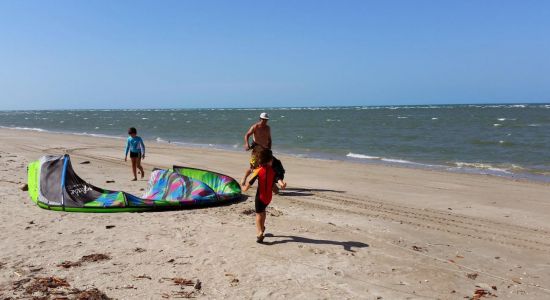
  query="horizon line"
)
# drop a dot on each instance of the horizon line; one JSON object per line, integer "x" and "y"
{"x": 291, "y": 107}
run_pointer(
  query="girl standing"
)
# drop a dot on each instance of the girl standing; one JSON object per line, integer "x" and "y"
{"x": 136, "y": 148}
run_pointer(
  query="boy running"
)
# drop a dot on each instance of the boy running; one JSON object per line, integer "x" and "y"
{"x": 265, "y": 176}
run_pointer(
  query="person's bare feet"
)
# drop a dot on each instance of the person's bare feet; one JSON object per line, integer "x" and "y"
{"x": 260, "y": 238}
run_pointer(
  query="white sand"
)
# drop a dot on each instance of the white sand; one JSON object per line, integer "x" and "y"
{"x": 341, "y": 230}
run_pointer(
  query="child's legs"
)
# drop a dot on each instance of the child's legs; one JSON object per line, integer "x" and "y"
{"x": 134, "y": 165}
{"x": 138, "y": 160}
{"x": 260, "y": 223}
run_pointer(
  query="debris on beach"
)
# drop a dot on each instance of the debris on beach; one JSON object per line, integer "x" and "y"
{"x": 109, "y": 181}
{"x": 275, "y": 212}
{"x": 86, "y": 162}
{"x": 419, "y": 249}
{"x": 95, "y": 257}
{"x": 472, "y": 276}
{"x": 198, "y": 285}
{"x": 234, "y": 280}
{"x": 183, "y": 294}
{"x": 91, "y": 294}
{"x": 483, "y": 291}
{"x": 182, "y": 281}
{"x": 516, "y": 280}
{"x": 139, "y": 250}
{"x": 16, "y": 285}
{"x": 44, "y": 284}
{"x": 109, "y": 226}
{"x": 86, "y": 258}
{"x": 248, "y": 212}
{"x": 24, "y": 187}
{"x": 143, "y": 277}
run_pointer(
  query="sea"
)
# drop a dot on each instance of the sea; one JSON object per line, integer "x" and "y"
{"x": 509, "y": 140}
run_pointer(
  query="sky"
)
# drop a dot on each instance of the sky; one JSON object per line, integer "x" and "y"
{"x": 187, "y": 54}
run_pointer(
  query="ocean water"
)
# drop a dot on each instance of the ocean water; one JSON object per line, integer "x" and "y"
{"x": 503, "y": 140}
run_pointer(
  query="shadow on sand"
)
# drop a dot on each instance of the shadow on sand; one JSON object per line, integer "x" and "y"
{"x": 298, "y": 239}
{"x": 293, "y": 192}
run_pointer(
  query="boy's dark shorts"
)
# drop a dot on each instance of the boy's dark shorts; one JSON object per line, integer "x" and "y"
{"x": 135, "y": 154}
{"x": 260, "y": 206}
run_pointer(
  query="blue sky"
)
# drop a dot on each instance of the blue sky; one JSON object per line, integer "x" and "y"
{"x": 171, "y": 54}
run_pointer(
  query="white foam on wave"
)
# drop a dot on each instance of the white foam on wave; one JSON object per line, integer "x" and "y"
{"x": 355, "y": 155}
{"x": 402, "y": 117}
{"x": 465, "y": 165}
{"x": 160, "y": 140}
{"x": 145, "y": 118}
{"x": 497, "y": 125}
{"x": 61, "y": 132}
{"x": 434, "y": 118}
{"x": 26, "y": 128}
{"x": 501, "y": 119}
{"x": 534, "y": 125}
{"x": 400, "y": 161}
{"x": 92, "y": 134}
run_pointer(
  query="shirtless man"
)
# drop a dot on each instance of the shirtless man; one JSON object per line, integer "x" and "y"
{"x": 261, "y": 139}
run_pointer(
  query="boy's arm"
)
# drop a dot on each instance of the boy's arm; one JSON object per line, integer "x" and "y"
{"x": 142, "y": 148}
{"x": 250, "y": 182}
{"x": 127, "y": 149}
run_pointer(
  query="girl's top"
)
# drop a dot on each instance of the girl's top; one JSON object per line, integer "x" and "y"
{"x": 135, "y": 144}
{"x": 265, "y": 176}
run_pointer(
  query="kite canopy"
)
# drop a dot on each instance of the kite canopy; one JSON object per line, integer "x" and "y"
{"x": 53, "y": 184}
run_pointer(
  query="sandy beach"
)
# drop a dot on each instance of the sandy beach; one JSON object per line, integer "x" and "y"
{"x": 340, "y": 231}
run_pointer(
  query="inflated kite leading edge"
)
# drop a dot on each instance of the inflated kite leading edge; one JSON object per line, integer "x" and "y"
{"x": 54, "y": 185}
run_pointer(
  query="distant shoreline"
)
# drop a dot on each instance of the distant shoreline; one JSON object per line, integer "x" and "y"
{"x": 373, "y": 106}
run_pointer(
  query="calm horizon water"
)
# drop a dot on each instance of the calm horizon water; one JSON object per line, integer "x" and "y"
{"x": 511, "y": 140}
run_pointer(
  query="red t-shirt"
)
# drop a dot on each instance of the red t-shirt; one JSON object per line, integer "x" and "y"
{"x": 266, "y": 177}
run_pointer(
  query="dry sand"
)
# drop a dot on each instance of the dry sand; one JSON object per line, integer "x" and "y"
{"x": 341, "y": 231}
